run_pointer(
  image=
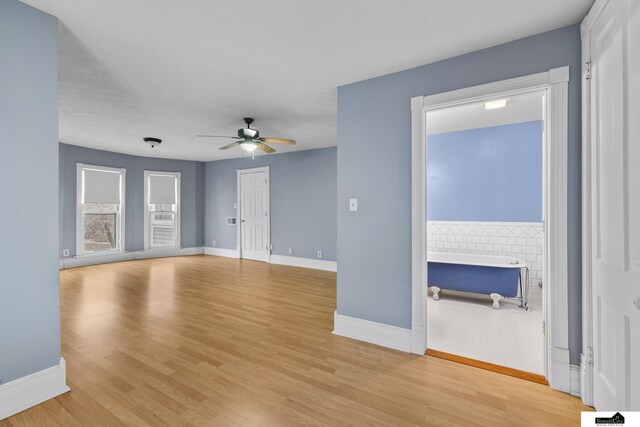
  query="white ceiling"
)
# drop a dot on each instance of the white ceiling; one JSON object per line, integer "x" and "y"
{"x": 175, "y": 69}
{"x": 519, "y": 108}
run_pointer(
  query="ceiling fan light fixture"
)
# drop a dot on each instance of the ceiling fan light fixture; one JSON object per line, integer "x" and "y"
{"x": 249, "y": 146}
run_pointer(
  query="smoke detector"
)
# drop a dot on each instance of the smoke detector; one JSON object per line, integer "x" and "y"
{"x": 152, "y": 141}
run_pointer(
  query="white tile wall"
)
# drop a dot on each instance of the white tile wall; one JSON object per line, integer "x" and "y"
{"x": 524, "y": 240}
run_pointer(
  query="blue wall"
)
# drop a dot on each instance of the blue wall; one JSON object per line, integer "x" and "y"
{"x": 191, "y": 192}
{"x": 29, "y": 281}
{"x": 303, "y": 201}
{"x": 487, "y": 174}
{"x": 374, "y": 165}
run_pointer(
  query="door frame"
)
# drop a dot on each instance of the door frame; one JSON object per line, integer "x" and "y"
{"x": 556, "y": 84}
{"x": 239, "y": 173}
{"x": 586, "y": 356}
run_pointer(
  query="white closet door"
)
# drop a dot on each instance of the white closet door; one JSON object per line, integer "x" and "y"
{"x": 615, "y": 194}
{"x": 254, "y": 215}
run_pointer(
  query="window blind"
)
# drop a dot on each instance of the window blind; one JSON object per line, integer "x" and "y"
{"x": 101, "y": 186}
{"x": 162, "y": 189}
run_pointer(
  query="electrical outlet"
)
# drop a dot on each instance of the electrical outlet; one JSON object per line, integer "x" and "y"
{"x": 319, "y": 254}
{"x": 213, "y": 243}
{"x": 290, "y": 251}
{"x": 235, "y": 206}
{"x": 65, "y": 252}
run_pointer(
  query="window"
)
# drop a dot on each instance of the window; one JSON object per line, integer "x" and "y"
{"x": 161, "y": 210}
{"x": 100, "y": 218}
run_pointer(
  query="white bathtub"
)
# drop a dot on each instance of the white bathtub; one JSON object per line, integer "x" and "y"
{"x": 476, "y": 259}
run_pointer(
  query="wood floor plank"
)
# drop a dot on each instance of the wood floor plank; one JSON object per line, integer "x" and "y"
{"x": 207, "y": 341}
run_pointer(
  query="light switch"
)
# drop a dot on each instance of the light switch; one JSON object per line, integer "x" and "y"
{"x": 353, "y": 205}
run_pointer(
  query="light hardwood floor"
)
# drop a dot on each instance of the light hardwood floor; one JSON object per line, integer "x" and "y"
{"x": 207, "y": 341}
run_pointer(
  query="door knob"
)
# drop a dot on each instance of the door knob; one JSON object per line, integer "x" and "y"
{"x": 636, "y": 302}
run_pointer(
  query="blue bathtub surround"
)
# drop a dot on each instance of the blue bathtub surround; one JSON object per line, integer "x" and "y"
{"x": 486, "y": 174}
{"x": 474, "y": 278}
{"x": 499, "y": 277}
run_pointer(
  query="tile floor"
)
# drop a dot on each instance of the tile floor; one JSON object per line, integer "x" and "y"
{"x": 467, "y": 325}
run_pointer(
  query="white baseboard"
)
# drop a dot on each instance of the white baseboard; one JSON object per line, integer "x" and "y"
{"x": 372, "y": 332}
{"x": 28, "y": 391}
{"x": 160, "y": 253}
{"x": 574, "y": 372}
{"x": 127, "y": 256}
{"x": 96, "y": 259}
{"x": 228, "y": 253}
{"x": 318, "y": 264}
{"x": 559, "y": 372}
{"x": 418, "y": 338}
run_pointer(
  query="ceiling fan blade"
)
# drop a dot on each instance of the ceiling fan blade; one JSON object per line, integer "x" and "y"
{"x": 278, "y": 140}
{"x": 226, "y": 147}
{"x": 218, "y": 136}
{"x": 265, "y": 148}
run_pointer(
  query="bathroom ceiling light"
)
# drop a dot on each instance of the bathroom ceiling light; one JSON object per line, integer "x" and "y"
{"x": 498, "y": 103}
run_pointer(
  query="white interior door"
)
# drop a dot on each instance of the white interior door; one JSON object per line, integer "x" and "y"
{"x": 615, "y": 194}
{"x": 254, "y": 215}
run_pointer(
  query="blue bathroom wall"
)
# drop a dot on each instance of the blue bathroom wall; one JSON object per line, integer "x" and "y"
{"x": 486, "y": 174}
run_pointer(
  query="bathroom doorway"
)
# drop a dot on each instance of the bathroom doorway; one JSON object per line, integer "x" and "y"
{"x": 554, "y": 83}
{"x": 485, "y": 232}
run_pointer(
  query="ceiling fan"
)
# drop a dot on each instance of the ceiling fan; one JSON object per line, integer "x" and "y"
{"x": 249, "y": 139}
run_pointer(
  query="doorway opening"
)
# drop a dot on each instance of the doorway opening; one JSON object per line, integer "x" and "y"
{"x": 554, "y": 83}
{"x": 254, "y": 231}
{"x": 485, "y": 233}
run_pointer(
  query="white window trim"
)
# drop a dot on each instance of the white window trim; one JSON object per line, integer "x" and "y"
{"x": 178, "y": 176}
{"x": 80, "y": 253}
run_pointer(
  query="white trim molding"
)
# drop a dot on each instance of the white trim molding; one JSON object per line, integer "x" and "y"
{"x": 556, "y": 238}
{"x": 595, "y": 11}
{"x": 373, "y": 332}
{"x": 554, "y": 83}
{"x": 31, "y": 390}
{"x": 575, "y": 387}
{"x": 318, "y": 264}
{"x": 167, "y": 252}
{"x": 586, "y": 357}
{"x": 127, "y": 256}
{"x": 559, "y": 368}
{"x": 228, "y": 253}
